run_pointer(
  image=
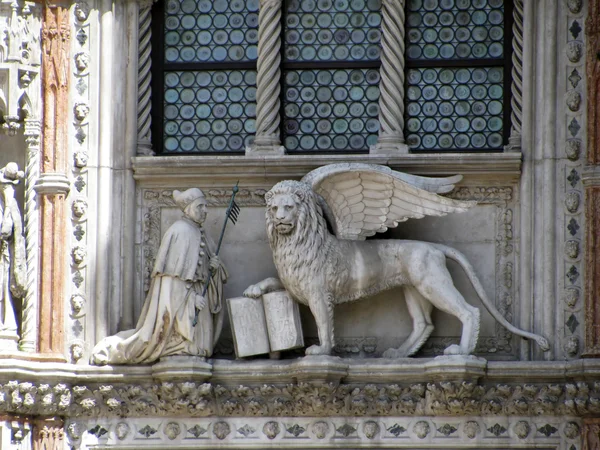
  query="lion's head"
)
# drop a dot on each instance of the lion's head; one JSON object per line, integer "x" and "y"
{"x": 293, "y": 212}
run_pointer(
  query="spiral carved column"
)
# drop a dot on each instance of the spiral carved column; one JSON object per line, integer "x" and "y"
{"x": 516, "y": 102}
{"x": 144, "y": 144}
{"x": 391, "y": 100}
{"x": 29, "y": 315}
{"x": 267, "y": 140}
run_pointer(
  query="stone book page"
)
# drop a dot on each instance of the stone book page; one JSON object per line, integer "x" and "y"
{"x": 268, "y": 325}
{"x": 283, "y": 321}
{"x": 248, "y": 326}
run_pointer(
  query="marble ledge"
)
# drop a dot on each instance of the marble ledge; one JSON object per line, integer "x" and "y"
{"x": 260, "y": 170}
{"x": 320, "y": 369}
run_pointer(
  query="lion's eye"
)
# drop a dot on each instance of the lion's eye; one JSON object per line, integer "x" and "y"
{"x": 288, "y": 207}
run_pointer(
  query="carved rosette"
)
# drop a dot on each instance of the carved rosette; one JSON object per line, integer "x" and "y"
{"x": 268, "y": 78}
{"x": 391, "y": 100}
{"x": 516, "y": 102}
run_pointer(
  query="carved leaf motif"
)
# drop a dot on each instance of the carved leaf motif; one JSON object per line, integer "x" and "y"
{"x": 147, "y": 431}
{"x": 497, "y": 430}
{"x": 246, "y": 430}
{"x": 547, "y": 430}
{"x": 447, "y": 429}
{"x": 296, "y": 430}
{"x": 98, "y": 431}
{"x": 396, "y": 430}
{"x": 346, "y": 430}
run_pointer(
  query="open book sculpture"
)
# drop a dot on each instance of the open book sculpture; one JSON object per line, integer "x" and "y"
{"x": 321, "y": 270}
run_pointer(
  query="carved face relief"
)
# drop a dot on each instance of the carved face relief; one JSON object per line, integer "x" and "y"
{"x": 571, "y": 297}
{"x": 121, "y": 430}
{"x": 82, "y": 60}
{"x": 77, "y": 304}
{"x": 371, "y": 429}
{"x": 78, "y": 254}
{"x": 82, "y": 11}
{"x": 571, "y": 430}
{"x": 271, "y": 429}
{"x": 471, "y": 429}
{"x": 320, "y": 429}
{"x": 172, "y": 430}
{"x": 221, "y": 430}
{"x": 79, "y": 207}
{"x": 572, "y": 346}
{"x": 74, "y": 431}
{"x": 81, "y": 111}
{"x": 421, "y": 429}
{"x": 76, "y": 352}
{"x": 522, "y": 429}
{"x": 283, "y": 212}
{"x": 81, "y": 159}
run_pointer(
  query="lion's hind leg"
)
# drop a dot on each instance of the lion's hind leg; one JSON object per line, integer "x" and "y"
{"x": 438, "y": 288}
{"x": 420, "y": 312}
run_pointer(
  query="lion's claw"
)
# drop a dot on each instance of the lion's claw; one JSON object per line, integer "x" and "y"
{"x": 253, "y": 291}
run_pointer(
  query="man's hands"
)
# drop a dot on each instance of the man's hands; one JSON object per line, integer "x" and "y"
{"x": 214, "y": 263}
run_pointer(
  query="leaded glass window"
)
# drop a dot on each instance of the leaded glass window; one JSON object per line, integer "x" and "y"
{"x": 331, "y": 59}
{"x": 458, "y": 74}
{"x": 206, "y": 87}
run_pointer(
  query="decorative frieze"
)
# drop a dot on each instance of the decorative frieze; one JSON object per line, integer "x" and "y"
{"x": 191, "y": 399}
{"x": 339, "y": 432}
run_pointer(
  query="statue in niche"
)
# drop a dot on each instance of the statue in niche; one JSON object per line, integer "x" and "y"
{"x": 321, "y": 270}
{"x": 184, "y": 264}
{"x": 13, "y": 262}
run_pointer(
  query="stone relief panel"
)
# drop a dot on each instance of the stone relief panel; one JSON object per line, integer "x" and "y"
{"x": 247, "y": 240}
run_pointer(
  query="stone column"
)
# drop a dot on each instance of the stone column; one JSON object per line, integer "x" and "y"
{"x": 268, "y": 81}
{"x": 48, "y": 434}
{"x": 591, "y": 434}
{"x": 391, "y": 87}
{"x": 516, "y": 101}
{"x": 29, "y": 314}
{"x": 591, "y": 180}
{"x": 144, "y": 104}
{"x": 52, "y": 186}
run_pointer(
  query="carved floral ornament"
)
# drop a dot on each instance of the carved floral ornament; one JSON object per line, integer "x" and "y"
{"x": 191, "y": 399}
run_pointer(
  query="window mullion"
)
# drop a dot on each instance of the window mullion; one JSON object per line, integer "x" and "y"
{"x": 268, "y": 79}
{"x": 391, "y": 100}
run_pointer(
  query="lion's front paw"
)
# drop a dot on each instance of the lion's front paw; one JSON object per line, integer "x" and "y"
{"x": 253, "y": 291}
{"x": 318, "y": 350}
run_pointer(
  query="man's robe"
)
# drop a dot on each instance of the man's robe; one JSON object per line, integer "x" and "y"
{"x": 165, "y": 325}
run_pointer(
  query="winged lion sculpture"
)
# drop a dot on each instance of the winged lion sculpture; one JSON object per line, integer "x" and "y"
{"x": 322, "y": 268}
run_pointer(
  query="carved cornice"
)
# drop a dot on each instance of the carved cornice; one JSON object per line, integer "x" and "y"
{"x": 198, "y": 170}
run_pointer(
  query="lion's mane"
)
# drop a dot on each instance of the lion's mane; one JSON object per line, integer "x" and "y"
{"x": 309, "y": 238}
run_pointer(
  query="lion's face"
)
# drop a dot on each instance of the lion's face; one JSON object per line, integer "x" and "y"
{"x": 283, "y": 210}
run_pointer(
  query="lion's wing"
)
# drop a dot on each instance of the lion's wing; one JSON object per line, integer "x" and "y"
{"x": 365, "y": 199}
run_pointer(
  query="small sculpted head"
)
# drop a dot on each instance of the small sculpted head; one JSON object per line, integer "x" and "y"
{"x": 193, "y": 204}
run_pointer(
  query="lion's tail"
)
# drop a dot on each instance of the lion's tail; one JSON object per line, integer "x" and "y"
{"x": 455, "y": 255}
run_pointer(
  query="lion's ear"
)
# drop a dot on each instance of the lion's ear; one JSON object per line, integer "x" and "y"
{"x": 268, "y": 197}
{"x": 300, "y": 195}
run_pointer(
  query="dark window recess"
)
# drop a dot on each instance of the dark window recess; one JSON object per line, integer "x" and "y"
{"x": 331, "y": 58}
{"x": 204, "y": 86}
{"x": 458, "y": 59}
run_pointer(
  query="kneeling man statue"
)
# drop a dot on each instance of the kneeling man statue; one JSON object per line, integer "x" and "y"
{"x": 184, "y": 264}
